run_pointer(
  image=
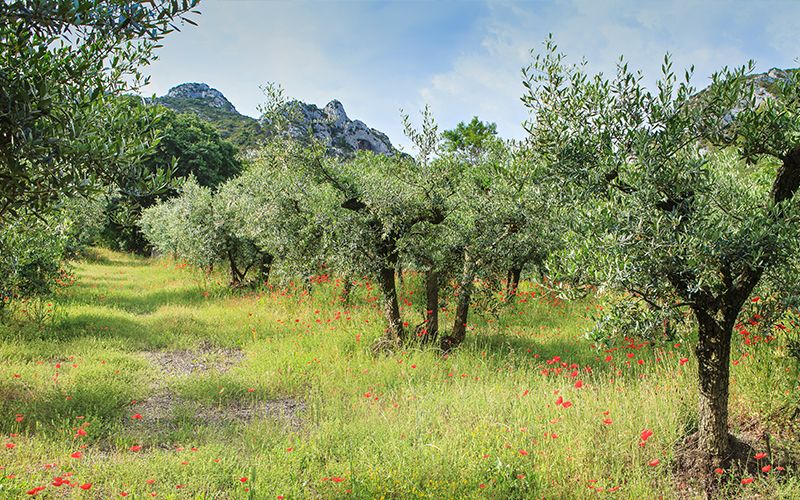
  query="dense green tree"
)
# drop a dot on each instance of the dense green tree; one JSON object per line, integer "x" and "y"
{"x": 470, "y": 138}
{"x": 197, "y": 149}
{"x": 659, "y": 212}
{"x": 187, "y": 146}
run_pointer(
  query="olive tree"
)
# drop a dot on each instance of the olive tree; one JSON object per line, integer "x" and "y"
{"x": 62, "y": 64}
{"x": 683, "y": 199}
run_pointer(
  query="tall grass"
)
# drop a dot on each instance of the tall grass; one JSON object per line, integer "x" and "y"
{"x": 484, "y": 421}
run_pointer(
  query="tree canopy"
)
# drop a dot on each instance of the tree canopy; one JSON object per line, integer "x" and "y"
{"x": 62, "y": 63}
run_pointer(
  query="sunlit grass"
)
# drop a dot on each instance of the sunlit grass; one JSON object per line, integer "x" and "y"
{"x": 481, "y": 422}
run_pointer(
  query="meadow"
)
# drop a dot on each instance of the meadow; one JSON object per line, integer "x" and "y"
{"x": 143, "y": 377}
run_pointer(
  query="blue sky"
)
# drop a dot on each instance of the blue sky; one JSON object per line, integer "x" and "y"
{"x": 462, "y": 58}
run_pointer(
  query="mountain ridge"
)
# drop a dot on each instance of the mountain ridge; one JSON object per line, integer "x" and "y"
{"x": 330, "y": 124}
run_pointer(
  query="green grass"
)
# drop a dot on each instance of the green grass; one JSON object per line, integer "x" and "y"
{"x": 481, "y": 422}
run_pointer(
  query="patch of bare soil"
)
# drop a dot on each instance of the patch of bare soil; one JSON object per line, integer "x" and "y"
{"x": 185, "y": 362}
{"x": 159, "y": 411}
{"x": 287, "y": 410}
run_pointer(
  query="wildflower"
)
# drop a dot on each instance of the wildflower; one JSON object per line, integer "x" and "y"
{"x": 654, "y": 462}
{"x": 77, "y": 455}
{"x": 760, "y": 455}
{"x": 86, "y": 486}
{"x": 747, "y": 480}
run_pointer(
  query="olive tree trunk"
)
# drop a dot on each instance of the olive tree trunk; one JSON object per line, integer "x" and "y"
{"x": 514, "y": 275}
{"x": 713, "y": 352}
{"x": 431, "y": 323}
{"x": 395, "y": 333}
{"x": 236, "y": 276}
{"x": 347, "y": 288}
{"x": 265, "y": 268}
{"x": 459, "y": 332}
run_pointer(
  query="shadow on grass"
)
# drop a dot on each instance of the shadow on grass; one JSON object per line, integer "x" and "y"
{"x": 519, "y": 351}
{"x": 135, "y": 301}
{"x": 111, "y": 328}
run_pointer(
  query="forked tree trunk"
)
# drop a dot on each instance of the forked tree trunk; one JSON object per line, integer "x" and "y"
{"x": 395, "y": 334}
{"x": 459, "y": 332}
{"x": 431, "y": 306}
{"x": 236, "y": 276}
{"x": 713, "y": 355}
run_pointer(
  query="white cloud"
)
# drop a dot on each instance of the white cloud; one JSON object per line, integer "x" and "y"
{"x": 463, "y": 59}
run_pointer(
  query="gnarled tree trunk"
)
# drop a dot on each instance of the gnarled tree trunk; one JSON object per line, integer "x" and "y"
{"x": 395, "y": 333}
{"x": 459, "y": 332}
{"x": 431, "y": 324}
{"x": 236, "y": 276}
{"x": 713, "y": 355}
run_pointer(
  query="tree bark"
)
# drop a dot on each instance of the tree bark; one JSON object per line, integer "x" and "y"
{"x": 347, "y": 288}
{"x": 431, "y": 324}
{"x": 459, "y": 332}
{"x": 399, "y": 270}
{"x": 265, "y": 268}
{"x": 514, "y": 275}
{"x": 236, "y": 277}
{"x": 713, "y": 355}
{"x": 395, "y": 334}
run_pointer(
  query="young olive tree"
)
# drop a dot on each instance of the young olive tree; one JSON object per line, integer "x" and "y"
{"x": 500, "y": 221}
{"x": 664, "y": 214}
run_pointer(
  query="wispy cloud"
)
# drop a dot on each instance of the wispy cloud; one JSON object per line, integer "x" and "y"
{"x": 462, "y": 58}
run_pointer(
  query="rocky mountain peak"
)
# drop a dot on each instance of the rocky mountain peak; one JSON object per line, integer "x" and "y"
{"x": 330, "y": 124}
{"x": 201, "y": 91}
{"x": 334, "y": 111}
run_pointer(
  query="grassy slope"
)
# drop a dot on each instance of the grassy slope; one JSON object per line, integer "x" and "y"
{"x": 481, "y": 423}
